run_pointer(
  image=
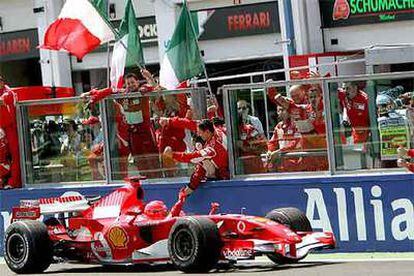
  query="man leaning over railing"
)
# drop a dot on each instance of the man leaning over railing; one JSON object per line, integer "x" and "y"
{"x": 211, "y": 159}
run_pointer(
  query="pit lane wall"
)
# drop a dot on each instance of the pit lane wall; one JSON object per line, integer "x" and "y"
{"x": 372, "y": 213}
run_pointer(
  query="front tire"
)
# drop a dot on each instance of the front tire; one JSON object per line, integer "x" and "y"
{"x": 294, "y": 219}
{"x": 194, "y": 244}
{"x": 28, "y": 248}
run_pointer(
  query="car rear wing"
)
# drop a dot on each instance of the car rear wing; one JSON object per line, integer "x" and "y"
{"x": 67, "y": 203}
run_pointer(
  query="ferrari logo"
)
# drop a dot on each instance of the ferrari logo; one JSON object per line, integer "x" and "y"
{"x": 118, "y": 237}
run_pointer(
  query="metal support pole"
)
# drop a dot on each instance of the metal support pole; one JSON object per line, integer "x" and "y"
{"x": 22, "y": 147}
{"x": 227, "y": 115}
{"x": 108, "y": 61}
{"x": 107, "y": 151}
{"x": 328, "y": 125}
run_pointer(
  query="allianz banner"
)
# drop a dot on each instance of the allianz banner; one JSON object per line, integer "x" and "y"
{"x": 339, "y": 13}
{"x": 366, "y": 213}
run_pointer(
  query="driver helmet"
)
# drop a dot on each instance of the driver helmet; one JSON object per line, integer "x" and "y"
{"x": 156, "y": 209}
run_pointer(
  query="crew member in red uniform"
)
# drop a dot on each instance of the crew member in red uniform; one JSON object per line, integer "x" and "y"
{"x": 4, "y": 159}
{"x": 211, "y": 160}
{"x": 354, "y": 103}
{"x": 286, "y": 138}
{"x": 8, "y": 123}
{"x": 170, "y": 106}
{"x": 169, "y": 134}
{"x": 136, "y": 134}
{"x": 310, "y": 122}
{"x": 298, "y": 94}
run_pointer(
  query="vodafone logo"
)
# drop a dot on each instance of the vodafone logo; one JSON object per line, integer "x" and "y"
{"x": 241, "y": 226}
{"x": 239, "y": 253}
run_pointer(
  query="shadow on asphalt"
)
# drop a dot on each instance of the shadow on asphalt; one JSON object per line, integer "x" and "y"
{"x": 268, "y": 267}
{"x": 113, "y": 269}
{"x": 222, "y": 268}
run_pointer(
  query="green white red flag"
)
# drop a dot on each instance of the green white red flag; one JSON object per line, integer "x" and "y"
{"x": 79, "y": 29}
{"x": 127, "y": 50}
{"x": 182, "y": 60}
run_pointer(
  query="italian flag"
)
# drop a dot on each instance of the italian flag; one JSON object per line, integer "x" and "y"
{"x": 79, "y": 29}
{"x": 182, "y": 60}
{"x": 127, "y": 51}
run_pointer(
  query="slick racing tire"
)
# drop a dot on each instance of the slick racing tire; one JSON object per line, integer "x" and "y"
{"x": 296, "y": 220}
{"x": 28, "y": 248}
{"x": 194, "y": 244}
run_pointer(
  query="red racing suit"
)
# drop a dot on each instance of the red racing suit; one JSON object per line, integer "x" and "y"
{"x": 313, "y": 134}
{"x": 297, "y": 112}
{"x": 252, "y": 145}
{"x": 9, "y": 125}
{"x": 135, "y": 132}
{"x": 358, "y": 114}
{"x": 211, "y": 161}
{"x": 286, "y": 138}
{"x": 171, "y": 135}
{"x": 4, "y": 154}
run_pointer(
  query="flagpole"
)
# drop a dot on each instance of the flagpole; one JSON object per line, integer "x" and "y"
{"x": 210, "y": 91}
{"x": 196, "y": 36}
{"x": 117, "y": 35}
{"x": 108, "y": 62}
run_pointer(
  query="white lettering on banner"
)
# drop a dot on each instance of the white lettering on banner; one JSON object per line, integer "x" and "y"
{"x": 147, "y": 31}
{"x": 342, "y": 217}
{"x": 378, "y": 213}
{"x": 402, "y": 225}
{"x": 406, "y": 218}
{"x": 316, "y": 201}
{"x": 360, "y": 214}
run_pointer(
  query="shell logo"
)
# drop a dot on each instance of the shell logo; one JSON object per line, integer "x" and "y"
{"x": 118, "y": 237}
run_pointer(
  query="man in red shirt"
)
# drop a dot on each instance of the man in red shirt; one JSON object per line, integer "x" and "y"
{"x": 354, "y": 103}
{"x": 4, "y": 158}
{"x": 286, "y": 138}
{"x": 136, "y": 134}
{"x": 211, "y": 160}
{"x": 310, "y": 122}
{"x": 8, "y": 123}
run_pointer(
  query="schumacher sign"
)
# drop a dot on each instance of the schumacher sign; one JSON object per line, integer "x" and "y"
{"x": 338, "y": 13}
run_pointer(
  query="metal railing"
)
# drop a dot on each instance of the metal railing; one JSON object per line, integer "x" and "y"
{"x": 229, "y": 101}
{"x": 229, "y": 97}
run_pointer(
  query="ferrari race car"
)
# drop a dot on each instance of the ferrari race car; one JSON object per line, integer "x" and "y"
{"x": 120, "y": 229}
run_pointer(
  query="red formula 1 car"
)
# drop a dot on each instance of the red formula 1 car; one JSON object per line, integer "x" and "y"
{"x": 121, "y": 229}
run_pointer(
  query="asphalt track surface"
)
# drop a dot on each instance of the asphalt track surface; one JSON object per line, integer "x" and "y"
{"x": 339, "y": 265}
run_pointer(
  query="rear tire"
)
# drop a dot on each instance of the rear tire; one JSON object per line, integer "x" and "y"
{"x": 194, "y": 244}
{"x": 28, "y": 248}
{"x": 294, "y": 219}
